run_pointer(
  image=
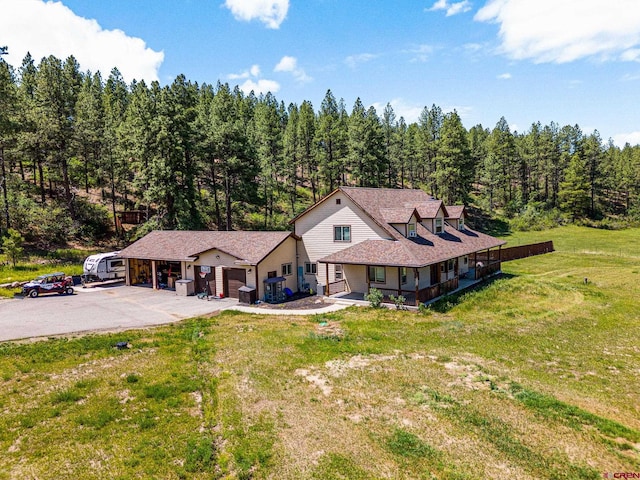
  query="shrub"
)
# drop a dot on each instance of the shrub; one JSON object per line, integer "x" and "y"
{"x": 374, "y": 297}
{"x": 399, "y": 301}
{"x": 535, "y": 217}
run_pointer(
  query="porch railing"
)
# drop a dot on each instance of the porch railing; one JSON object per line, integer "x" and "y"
{"x": 435, "y": 291}
{"x": 486, "y": 270}
{"x": 337, "y": 287}
{"x": 424, "y": 294}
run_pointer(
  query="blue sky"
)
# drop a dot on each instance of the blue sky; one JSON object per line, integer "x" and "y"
{"x": 568, "y": 61}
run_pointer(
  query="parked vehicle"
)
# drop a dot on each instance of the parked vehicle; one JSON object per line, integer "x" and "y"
{"x": 103, "y": 266}
{"x": 56, "y": 282}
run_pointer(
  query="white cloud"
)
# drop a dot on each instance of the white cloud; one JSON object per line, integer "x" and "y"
{"x": 270, "y": 12}
{"x": 253, "y": 83}
{"x": 290, "y": 65}
{"x": 353, "y": 61}
{"x": 567, "y": 30}
{"x": 51, "y": 28}
{"x": 421, "y": 53}
{"x": 253, "y": 71}
{"x": 286, "y": 64}
{"x": 504, "y": 76}
{"x": 451, "y": 8}
{"x": 260, "y": 86}
{"x": 410, "y": 112}
{"x": 632, "y": 138}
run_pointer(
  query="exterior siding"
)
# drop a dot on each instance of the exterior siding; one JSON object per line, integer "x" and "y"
{"x": 316, "y": 231}
{"x": 284, "y": 253}
{"x": 211, "y": 259}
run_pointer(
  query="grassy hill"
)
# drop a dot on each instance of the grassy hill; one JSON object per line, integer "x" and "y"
{"x": 533, "y": 376}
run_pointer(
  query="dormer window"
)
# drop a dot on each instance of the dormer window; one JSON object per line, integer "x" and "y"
{"x": 438, "y": 226}
{"x": 411, "y": 230}
{"x": 461, "y": 223}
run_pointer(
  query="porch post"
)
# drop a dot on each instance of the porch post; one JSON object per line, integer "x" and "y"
{"x": 416, "y": 282}
{"x": 399, "y": 281}
{"x": 326, "y": 287}
{"x": 154, "y": 275}
{"x": 368, "y": 279}
{"x": 127, "y": 273}
{"x": 475, "y": 265}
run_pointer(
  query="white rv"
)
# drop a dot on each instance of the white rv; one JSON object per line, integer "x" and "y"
{"x": 103, "y": 266}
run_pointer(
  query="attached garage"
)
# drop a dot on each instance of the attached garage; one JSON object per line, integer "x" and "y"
{"x": 234, "y": 278}
{"x": 219, "y": 263}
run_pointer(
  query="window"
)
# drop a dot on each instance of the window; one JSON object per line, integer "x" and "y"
{"x": 403, "y": 275}
{"x": 451, "y": 264}
{"x": 338, "y": 272}
{"x": 438, "y": 225}
{"x": 465, "y": 260}
{"x": 411, "y": 229}
{"x": 310, "y": 268}
{"x": 461, "y": 223}
{"x": 286, "y": 269}
{"x": 376, "y": 274}
{"x": 272, "y": 274}
{"x": 342, "y": 233}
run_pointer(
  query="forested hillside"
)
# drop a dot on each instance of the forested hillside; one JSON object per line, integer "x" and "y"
{"x": 76, "y": 148}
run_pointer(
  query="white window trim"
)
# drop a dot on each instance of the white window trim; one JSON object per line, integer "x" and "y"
{"x": 286, "y": 269}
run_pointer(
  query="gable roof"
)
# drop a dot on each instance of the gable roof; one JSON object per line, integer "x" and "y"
{"x": 397, "y": 215}
{"x": 455, "y": 211}
{"x": 386, "y": 206}
{"x": 183, "y": 245}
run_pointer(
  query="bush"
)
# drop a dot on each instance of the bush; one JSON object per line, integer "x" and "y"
{"x": 92, "y": 221}
{"x": 536, "y": 217}
{"x": 374, "y": 297}
{"x": 399, "y": 301}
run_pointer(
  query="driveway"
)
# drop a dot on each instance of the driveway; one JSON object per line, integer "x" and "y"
{"x": 99, "y": 308}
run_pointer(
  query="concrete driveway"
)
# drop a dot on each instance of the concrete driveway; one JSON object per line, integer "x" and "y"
{"x": 99, "y": 308}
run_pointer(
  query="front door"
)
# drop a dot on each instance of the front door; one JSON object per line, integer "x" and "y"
{"x": 205, "y": 281}
{"x": 233, "y": 279}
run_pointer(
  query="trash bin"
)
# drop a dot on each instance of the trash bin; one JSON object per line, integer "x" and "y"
{"x": 320, "y": 289}
{"x": 247, "y": 295}
{"x": 185, "y": 288}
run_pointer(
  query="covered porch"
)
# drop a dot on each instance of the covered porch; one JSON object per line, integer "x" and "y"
{"x": 416, "y": 284}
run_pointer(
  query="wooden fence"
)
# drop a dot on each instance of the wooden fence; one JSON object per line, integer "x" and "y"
{"x": 524, "y": 251}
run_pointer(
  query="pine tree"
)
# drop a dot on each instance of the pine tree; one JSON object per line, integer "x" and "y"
{"x": 8, "y": 127}
{"x": 574, "y": 190}
{"x": 292, "y": 149}
{"x": 454, "y": 174}
{"x": 89, "y": 125}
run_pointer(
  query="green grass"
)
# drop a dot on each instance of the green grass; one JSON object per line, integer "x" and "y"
{"x": 23, "y": 272}
{"x": 534, "y": 375}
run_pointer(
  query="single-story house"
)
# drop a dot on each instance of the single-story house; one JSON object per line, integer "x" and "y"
{"x": 219, "y": 263}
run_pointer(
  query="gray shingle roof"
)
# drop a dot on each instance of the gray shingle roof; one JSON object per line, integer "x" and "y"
{"x": 184, "y": 245}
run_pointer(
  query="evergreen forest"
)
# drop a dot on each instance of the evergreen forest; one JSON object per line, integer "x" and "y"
{"x": 76, "y": 148}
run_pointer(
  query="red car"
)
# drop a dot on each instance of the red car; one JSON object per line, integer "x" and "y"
{"x": 56, "y": 282}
